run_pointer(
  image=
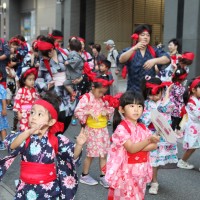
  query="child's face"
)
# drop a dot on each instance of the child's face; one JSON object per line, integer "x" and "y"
{"x": 103, "y": 68}
{"x": 14, "y": 46}
{"x": 196, "y": 92}
{"x": 83, "y": 45}
{"x": 39, "y": 115}
{"x": 132, "y": 111}
{"x": 30, "y": 80}
{"x": 99, "y": 92}
{"x": 155, "y": 97}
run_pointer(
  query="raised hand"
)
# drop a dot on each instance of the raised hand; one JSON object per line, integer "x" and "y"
{"x": 82, "y": 137}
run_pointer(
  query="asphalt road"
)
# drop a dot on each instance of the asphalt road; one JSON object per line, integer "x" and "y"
{"x": 175, "y": 184}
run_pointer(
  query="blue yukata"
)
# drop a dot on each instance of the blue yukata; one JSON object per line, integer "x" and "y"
{"x": 40, "y": 151}
{"x": 136, "y": 71}
{"x": 3, "y": 119}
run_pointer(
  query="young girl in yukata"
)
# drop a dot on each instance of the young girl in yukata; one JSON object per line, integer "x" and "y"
{"x": 3, "y": 114}
{"x": 156, "y": 99}
{"x": 40, "y": 176}
{"x": 128, "y": 168}
{"x": 191, "y": 140}
{"x": 94, "y": 113}
{"x": 176, "y": 96}
{"x": 25, "y": 97}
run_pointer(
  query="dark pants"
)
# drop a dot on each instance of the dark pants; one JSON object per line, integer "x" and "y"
{"x": 175, "y": 123}
{"x": 64, "y": 119}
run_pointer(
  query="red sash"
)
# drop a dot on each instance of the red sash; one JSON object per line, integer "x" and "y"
{"x": 37, "y": 173}
{"x": 139, "y": 157}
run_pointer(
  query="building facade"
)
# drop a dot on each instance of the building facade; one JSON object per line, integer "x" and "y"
{"x": 100, "y": 20}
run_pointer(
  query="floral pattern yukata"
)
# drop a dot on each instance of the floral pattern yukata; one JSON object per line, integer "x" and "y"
{"x": 166, "y": 152}
{"x": 192, "y": 128}
{"x": 23, "y": 102}
{"x": 128, "y": 180}
{"x": 98, "y": 141}
{"x": 41, "y": 151}
{"x": 176, "y": 96}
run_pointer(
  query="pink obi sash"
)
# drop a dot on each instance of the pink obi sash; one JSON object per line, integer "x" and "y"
{"x": 37, "y": 173}
{"x": 26, "y": 107}
{"x": 139, "y": 157}
{"x": 59, "y": 78}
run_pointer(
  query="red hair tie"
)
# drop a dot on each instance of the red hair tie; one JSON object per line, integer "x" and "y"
{"x": 43, "y": 46}
{"x": 156, "y": 87}
{"x": 104, "y": 82}
{"x": 16, "y": 40}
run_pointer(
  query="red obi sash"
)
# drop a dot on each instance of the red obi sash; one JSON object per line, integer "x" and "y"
{"x": 37, "y": 173}
{"x": 139, "y": 157}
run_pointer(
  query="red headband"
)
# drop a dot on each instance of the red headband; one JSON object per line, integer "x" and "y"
{"x": 195, "y": 83}
{"x": 155, "y": 87}
{"x": 16, "y": 40}
{"x": 104, "y": 82}
{"x": 43, "y": 46}
{"x": 47, "y": 106}
{"x": 31, "y": 71}
{"x": 113, "y": 101}
{"x": 55, "y": 37}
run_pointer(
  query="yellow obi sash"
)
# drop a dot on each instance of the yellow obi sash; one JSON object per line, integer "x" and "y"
{"x": 101, "y": 123}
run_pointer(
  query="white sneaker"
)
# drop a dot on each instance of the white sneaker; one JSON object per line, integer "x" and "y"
{"x": 184, "y": 165}
{"x": 103, "y": 182}
{"x": 154, "y": 188}
{"x": 88, "y": 180}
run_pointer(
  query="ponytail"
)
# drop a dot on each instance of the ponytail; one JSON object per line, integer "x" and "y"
{"x": 116, "y": 119}
{"x": 186, "y": 96}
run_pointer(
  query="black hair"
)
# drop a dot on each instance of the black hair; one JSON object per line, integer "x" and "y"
{"x": 40, "y": 37}
{"x": 97, "y": 47}
{"x": 74, "y": 38}
{"x": 107, "y": 63}
{"x": 129, "y": 97}
{"x": 53, "y": 99}
{"x": 75, "y": 45}
{"x": 57, "y": 33}
{"x": 179, "y": 72}
{"x": 177, "y": 43}
{"x": 147, "y": 91}
{"x": 49, "y": 40}
{"x": 140, "y": 28}
{"x": 20, "y": 37}
{"x": 188, "y": 93}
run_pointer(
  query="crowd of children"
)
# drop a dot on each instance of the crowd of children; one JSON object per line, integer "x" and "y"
{"x": 52, "y": 86}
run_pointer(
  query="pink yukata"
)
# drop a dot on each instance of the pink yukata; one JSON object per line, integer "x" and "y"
{"x": 192, "y": 128}
{"x": 98, "y": 141}
{"x": 128, "y": 180}
{"x": 24, "y": 100}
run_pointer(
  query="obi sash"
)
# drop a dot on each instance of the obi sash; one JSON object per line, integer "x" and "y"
{"x": 37, "y": 173}
{"x": 139, "y": 157}
{"x": 26, "y": 107}
{"x": 59, "y": 78}
{"x": 101, "y": 123}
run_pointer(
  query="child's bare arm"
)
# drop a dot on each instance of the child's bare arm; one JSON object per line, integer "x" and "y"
{"x": 80, "y": 141}
{"x": 136, "y": 147}
{"x": 20, "y": 139}
{"x": 150, "y": 147}
{"x": 4, "y": 113}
